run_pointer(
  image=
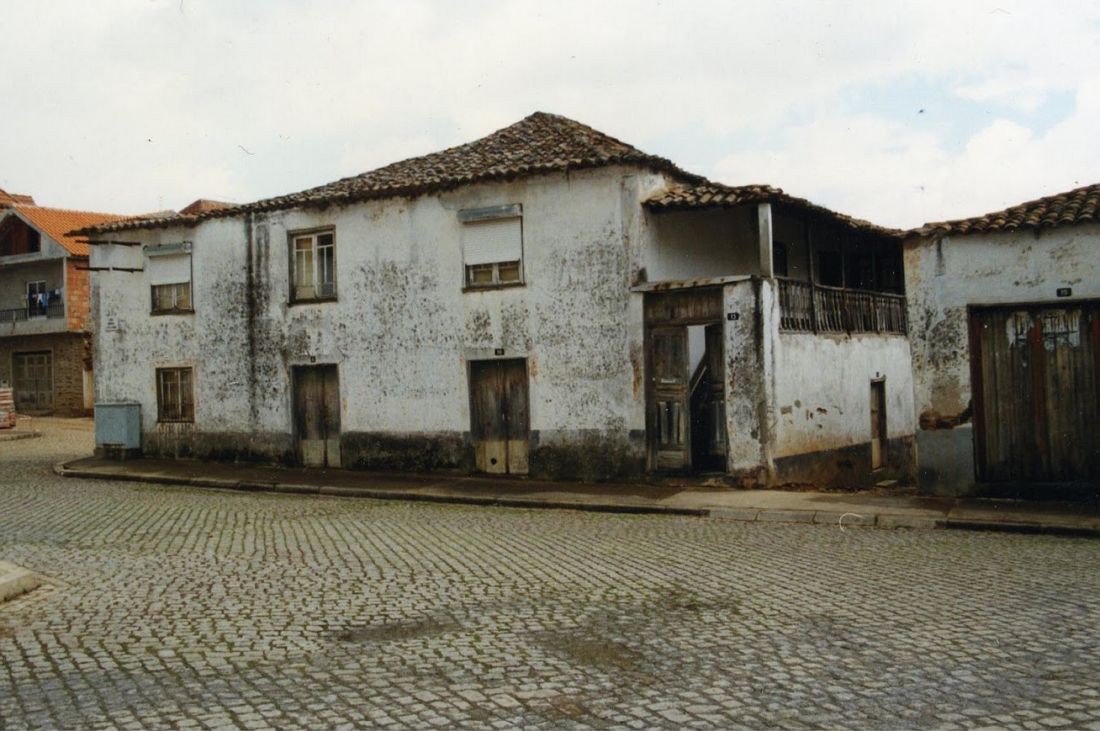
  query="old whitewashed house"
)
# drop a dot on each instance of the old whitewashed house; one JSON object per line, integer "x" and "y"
{"x": 1005, "y": 321}
{"x": 546, "y": 300}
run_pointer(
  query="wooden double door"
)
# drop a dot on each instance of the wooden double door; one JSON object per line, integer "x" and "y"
{"x": 33, "y": 381}
{"x": 686, "y": 423}
{"x": 1035, "y": 383}
{"x": 317, "y": 415}
{"x": 500, "y": 415}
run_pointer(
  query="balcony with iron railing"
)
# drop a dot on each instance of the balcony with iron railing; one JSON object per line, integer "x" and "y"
{"x": 34, "y": 320}
{"x": 809, "y": 307}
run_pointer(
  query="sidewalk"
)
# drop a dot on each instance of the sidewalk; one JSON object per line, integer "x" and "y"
{"x": 870, "y": 509}
{"x": 24, "y": 429}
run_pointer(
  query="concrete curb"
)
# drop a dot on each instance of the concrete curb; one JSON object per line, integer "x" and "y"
{"x": 16, "y": 436}
{"x": 16, "y": 581}
{"x": 368, "y": 493}
{"x": 842, "y": 519}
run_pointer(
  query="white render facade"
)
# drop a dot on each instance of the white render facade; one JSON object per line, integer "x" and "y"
{"x": 401, "y": 327}
{"x": 405, "y": 335}
{"x": 949, "y": 278}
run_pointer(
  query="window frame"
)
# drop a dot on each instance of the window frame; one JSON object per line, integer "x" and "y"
{"x": 484, "y": 215}
{"x": 175, "y": 310}
{"x": 169, "y": 250}
{"x": 33, "y": 312}
{"x": 185, "y": 409}
{"x": 316, "y": 262}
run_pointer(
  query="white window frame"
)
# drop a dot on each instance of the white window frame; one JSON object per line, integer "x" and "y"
{"x": 493, "y": 213}
{"x": 322, "y": 290}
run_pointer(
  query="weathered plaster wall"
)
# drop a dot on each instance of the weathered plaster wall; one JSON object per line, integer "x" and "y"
{"x": 798, "y": 405}
{"x": 402, "y": 329}
{"x": 944, "y": 276}
{"x": 699, "y": 244}
{"x": 749, "y": 382}
{"x": 823, "y": 406}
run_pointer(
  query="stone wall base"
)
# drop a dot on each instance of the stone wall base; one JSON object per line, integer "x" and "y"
{"x": 588, "y": 455}
{"x": 849, "y": 467}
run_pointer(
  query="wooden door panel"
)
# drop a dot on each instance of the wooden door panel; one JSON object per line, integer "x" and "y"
{"x": 669, "y": 410}
{"x": 499, "y": 415}
{"x": 33, "y": 381}
{"x": 514, "y": 375}
{"x": 878, "y": 424}
{"x": 317, "y": 415}
{"x": 330, "y": 415}
{"x": 716, "y": 357}
{"x": 1036, "y": 400}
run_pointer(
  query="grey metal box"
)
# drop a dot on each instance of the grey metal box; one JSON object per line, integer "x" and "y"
{"x": 118, "y": 426}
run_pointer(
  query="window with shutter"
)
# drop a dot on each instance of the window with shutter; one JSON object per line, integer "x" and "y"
{"x": 492, "y": 246}
{"x": 169, "y": 282}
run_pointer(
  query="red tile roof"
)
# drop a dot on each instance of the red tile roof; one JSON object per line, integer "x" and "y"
{"x": 540, "y": 143}
{"x": 11, "y": 199}
{"x": 716, "y": 195}
{"x": 1081, "y": 205}
{"x": 57, "y": 223}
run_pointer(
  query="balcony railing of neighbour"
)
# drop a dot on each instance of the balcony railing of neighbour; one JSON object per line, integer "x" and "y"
{"x": 806, "y": 307}
{"x": 21, "y": 314}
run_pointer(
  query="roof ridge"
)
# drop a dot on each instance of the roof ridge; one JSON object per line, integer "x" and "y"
{"x": 538, "y": 144}
{"x": 22, "y": 206}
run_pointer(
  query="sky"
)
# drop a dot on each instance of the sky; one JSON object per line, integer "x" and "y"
{"x": 897, "y": 112}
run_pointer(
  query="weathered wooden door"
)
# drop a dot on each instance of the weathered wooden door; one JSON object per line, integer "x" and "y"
{"x": 33, "y": 381}
{"x": 669, "y": 426}
{"x": 500, "y": 421}
{"x": 317, "y": 415}
{"x": 878, "y": 424}
{"x": 1034, "y": 374}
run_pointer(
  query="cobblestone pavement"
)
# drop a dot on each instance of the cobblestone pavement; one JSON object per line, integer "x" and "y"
{"x": 174, "y": 607}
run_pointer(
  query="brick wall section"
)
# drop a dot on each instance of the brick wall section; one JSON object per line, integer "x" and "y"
{"x": 70, "y": 351}
{"x": 77, "y": 294}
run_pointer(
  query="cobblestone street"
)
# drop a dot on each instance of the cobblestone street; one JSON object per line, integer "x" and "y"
{"x": 180, "y": 607}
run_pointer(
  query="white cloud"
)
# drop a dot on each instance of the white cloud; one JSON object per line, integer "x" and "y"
{"x": 130, "y": 105}
{"x": 883, "y": 171}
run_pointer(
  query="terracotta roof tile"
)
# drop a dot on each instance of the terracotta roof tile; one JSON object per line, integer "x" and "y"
{"x": 716, "y": 195}
{"x": 1081, "y": 205}
{"x": 540, "y": 143}
{"x": 57, "y": 223}
{"x": 11, "y": 199}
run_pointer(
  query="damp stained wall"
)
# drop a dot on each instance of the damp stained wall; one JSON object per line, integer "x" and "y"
{"x": 943, "y": 276}
{"x": 807, "y": 396}
{"x": 402, "y": 329}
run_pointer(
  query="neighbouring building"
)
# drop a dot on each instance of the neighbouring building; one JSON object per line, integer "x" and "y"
{"x": 1004, "y": 313}
{"x": 45, "y": 328}
{"x": 546, "y": 300}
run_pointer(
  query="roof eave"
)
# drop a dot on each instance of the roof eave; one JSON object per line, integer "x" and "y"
{"x": 281, "y": 203}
